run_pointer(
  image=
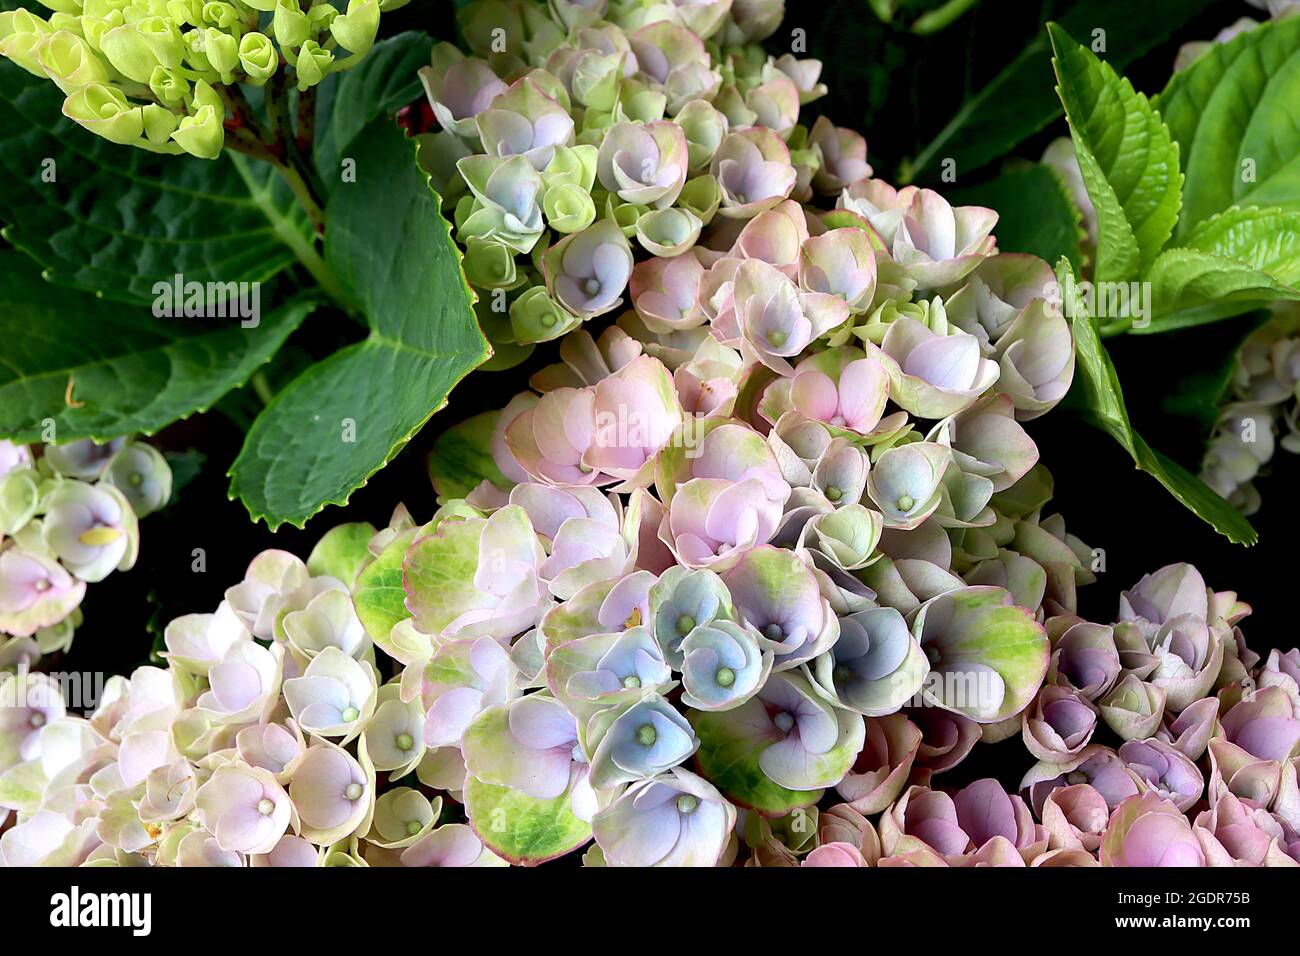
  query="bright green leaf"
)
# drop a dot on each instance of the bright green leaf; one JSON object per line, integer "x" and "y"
{"x": 1101, "y": 400}
{"x": 1128, "y": 161}
{"x": 1233, "y": 115}
{"x": 130, "y": 371}
{"x": 345, "y": 418}
{"x": 1190, "y": 288}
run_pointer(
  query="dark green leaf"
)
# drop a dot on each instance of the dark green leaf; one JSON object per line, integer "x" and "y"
{"x": 130, "y": 371}
{"x": 1019, "y": 101}
{"x": 462, "y": 457}
{"x": 1035, "y": 212}
{"x": 384, "y": 81}
{"x": 345, "y": 418}
{"x": 115, "y": 219}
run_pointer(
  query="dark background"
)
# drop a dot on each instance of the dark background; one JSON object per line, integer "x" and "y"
{"x": 899, "y": 106}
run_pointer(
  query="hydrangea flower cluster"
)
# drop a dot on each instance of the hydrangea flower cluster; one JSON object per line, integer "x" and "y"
{"x": 163, "y": 75}
{"x": 68, "y": 517}
{"x": 655, "y": 718}
{"x": 1262, "y": 412}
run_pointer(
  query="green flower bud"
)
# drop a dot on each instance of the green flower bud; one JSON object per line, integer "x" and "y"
{"x": 66, "y": 21}
{"x": 356, "y": 29}
{"x": 490, "y": 265}
{"x": 701, "y": 197}
{"x": 222, "y": 52}
{"x": 129, "y": 52}
{"x": 258, "y": 57}
{"x": 667, "y": 232}
{"x": 536, "y": 317}
{"x": 195, "y": 53}
{"x": 189, "y": 12}
{"x": 71, "y": 62}
{"x": 159, "y": 123}
{"x": 571, "y": 165}
{"x": 290, "y": 24}
{"x": 319, "y": 18}
{"x": 169, "y": 86}
{"x": 216, "y": 13}
{"x": 312, "y": 65}
{"x": 21, "y": 34}
{"x": 163, "y": 39}
{"x": 201, "y": 135}
{"x": 205, "y": 95}
{"x": 595, "y": 81}
{"x": 19, "y": 497}
{"x": 568, "y": 208}
{"x": 105, "y": 111}
{"x": 624, "y": 214}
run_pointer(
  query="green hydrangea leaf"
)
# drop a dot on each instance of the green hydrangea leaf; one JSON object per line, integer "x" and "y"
{"x": 346, "y": 417}
{"x": 1098, "y": 395}
{"x": 383, "y": 82}
{"x": 520, "y": 828}
{"x": 129, "y": 371}
{"x": 1232, "y": 113}
{"x": 1128, "y": 160}
{"x": 462, "y": 457}
{"x": 113, "y": 221}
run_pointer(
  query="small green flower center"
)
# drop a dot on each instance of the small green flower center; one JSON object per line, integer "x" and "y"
{"x": 548, "y": 319}
{"x": 265, "y": 807}
{"x": 350, "y": 714}
{"x": 725, "y": 677}
{"x": 631, "y": 680}
{"x": 413, "y": 827}
{"x": 405, "y": 742}
{"x": 784, "y": 722}
{"x": 591, "y": 286}
{"x": 842, "y": 674}
{"x": 687, "y": 803}
{"x": 353, "y": 791}
{"x": 685, "y": 624}
{"x": 646, "y": 735}
{"x": 776, "y": 338}
{"x": 833, "y": 493}
{"x": 774, "y": 632}
{"x": 43, "y": 584}
{"x": 906, "y": 502}
{"x": 136, "y": 479}
{"x": 36, "y": 720}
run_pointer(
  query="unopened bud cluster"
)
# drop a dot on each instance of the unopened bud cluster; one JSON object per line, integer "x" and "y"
{"x": 151, "y": 73}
